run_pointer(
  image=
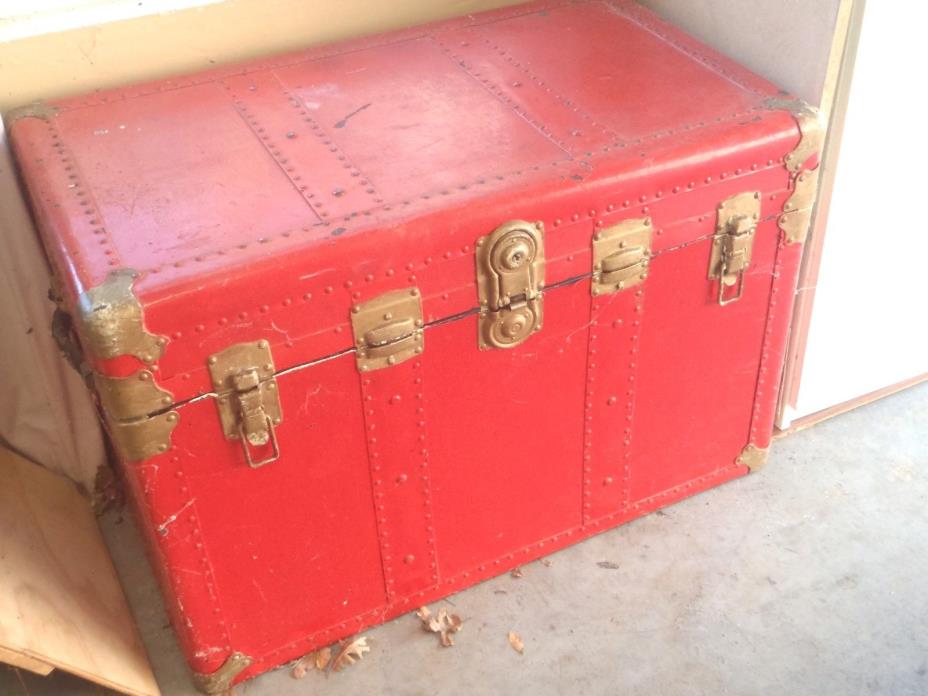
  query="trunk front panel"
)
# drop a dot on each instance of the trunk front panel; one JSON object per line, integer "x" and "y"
{"x": 504, "y": 434}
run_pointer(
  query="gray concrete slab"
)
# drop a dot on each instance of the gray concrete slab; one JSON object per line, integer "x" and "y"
{"x": 805, "y": 578}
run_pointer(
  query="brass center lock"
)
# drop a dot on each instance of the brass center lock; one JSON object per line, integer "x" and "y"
{"x": 621, "y": 255}
{"x": 246, "y": 394}
{"x": 510, "y": 279}
{"x": 388, "y": 329}
{"x": 733, "y": 243}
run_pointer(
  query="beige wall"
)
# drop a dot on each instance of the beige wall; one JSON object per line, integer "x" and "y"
{"x": 786, "y": 41}
{"x": 87, "y": 58}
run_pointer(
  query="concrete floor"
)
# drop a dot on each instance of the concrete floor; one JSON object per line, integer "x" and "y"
{"x": 810, "y": 577}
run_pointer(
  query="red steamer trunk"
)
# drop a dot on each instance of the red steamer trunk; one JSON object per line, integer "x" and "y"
{"x": 372, "y": 322}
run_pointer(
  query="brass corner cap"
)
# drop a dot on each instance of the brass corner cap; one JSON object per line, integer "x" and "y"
{"x": 37, "y": 109}
{"x": 753, "y": 457}
{"x": 811, "y": 130}
{"x": 221, "y": 680}
{"x": 110, "y": 320}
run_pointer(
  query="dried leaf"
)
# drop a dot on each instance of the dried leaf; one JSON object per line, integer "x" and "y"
{"x": 350, "y": 652}
{"x": 546, "y": 562}
{"x": 516, "y": 573}
{"x": 318, "y": 660}
{"x": 444, "y": 624}
{"x": 301, "y": 667}
{"x": 515, "y": 640}
{"x": 321, "y": 658}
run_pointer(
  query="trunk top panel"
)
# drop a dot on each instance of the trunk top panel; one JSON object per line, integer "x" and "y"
{"x": 385, "y": 144}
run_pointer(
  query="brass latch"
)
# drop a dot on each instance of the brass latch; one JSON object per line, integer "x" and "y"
{"x": 733, "y": 243}
{"x": 388, "y": 329}
{"x": 246, "y": 393}
{"x": 621, "y": 255}
{"x": 510, "y": 278}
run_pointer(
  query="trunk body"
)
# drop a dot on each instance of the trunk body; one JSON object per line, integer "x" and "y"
{"x": 387, "y": 274}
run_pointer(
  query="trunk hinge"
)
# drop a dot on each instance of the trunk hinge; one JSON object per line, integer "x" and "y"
{"x": 247, "y": 398}
{"x": 137, "y": 414}
{"x": 510, "y": 280}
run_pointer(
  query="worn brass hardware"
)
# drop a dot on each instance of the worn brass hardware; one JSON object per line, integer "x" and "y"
{"x": 246, "y": 394}
{"x": 753, "y": 457}
{"x": 811, "y": 137}
{"x": 510, "y": 279}
{"x": 134, "y": 409}
{"x": 111, "y": 322}
{"x": 621, "y": 255}
{"x": 388, "y": 329}
{"x": 733, "y": 243}
{"x": 125, "y": 398}
{"x": 811, "y": 130}
{"x": 220, "y": 681}
{"x": 797, "y": 211}
{"x": 139, "y": 439}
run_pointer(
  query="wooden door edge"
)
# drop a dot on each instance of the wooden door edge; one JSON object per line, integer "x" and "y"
{"x": 836, "y": 410}
{"x": 835, "y": 94}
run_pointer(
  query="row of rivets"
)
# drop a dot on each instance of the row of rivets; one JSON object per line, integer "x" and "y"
{"x": 87, "y": 208}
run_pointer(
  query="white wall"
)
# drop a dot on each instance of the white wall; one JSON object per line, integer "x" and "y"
{"x": 869, "y": 327}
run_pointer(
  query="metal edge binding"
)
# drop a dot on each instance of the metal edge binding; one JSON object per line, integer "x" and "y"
{"x": 133, "y": 408}
{"x": 111, "y": 320}
{"x": 142, "y": 438}
{"x": 221, "y": 680}
{"x": 37, "y": 109}
{"x": 797, "y": 210}
{"x": 753, "y": 457}
{"x": 132, "y": 397}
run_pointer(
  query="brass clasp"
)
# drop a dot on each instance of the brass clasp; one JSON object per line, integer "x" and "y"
{"x": 733, "y": 243}
{"x": 246, "y": 394}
